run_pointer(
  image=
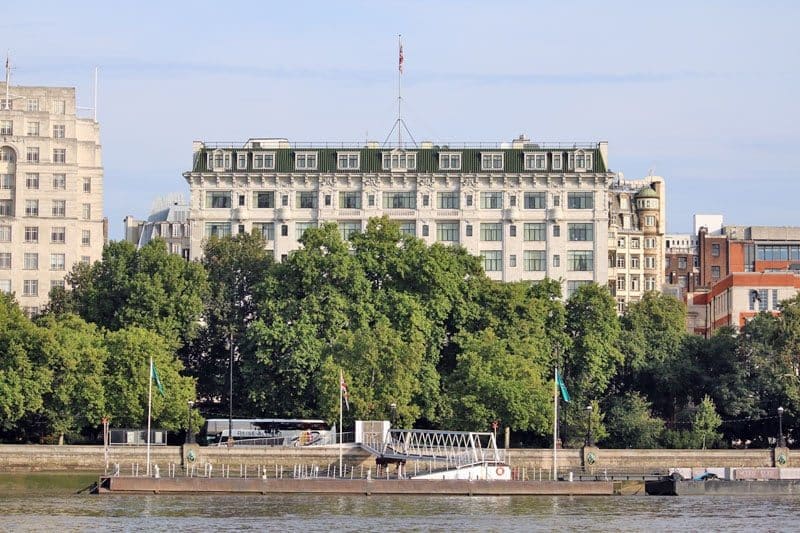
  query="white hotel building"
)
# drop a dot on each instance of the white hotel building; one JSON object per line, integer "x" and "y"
{"x": 530, "y": 210}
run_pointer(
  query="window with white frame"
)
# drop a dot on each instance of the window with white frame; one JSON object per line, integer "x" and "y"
{"x": 635, "y": 283}
{"x": 305, "y": 160}
{"x": 350, "y": 200}
{"x": 30, "y": 287}
{"x": 447, "y": 200}
{"x": 635, "y": 243}
{"x": 408, "y": 227}
{"x": 580, "y": 200}
{"x": 635, "y": 262}
{"x": 580, "y": 260}
{"x": 86, "y": 237}
{"x": 31, "y": 234}
{"x": 649, "y": 243}
{"x": 263, "y": 160}
{"x": 534, "y": 260}
{"x": 264, "y": 199}
{"x": 33, "y": 104}
{"x": 57, "y": 262}
{"x": 447, "y": 231}
{"x": 534, "y": 200}
{"x": 30, "y": 261}
{"x": 218, "y": 199}
{"x": 583, "y": 161}
{"x": 449, "y": 161}
{"x": 492, "y": 260}
{"x": 650, "y": 261}
{"x": 621, "y": 282}
{"x": 6, "y": 181}
{"x": 574, "y": 285}
{"x": 31, "y": 208}
{"x": 649, "y": 283}
{"x": 241, "y": 160}
{"x": 86, "y": 211}
{"x": 399, "y": 160}
{"x": 59, "y": 131}
{"x": 266, "y": 230}
{"x": 306, "y": 200}
{"x": 57, "y": 284}
{"x": 59, "y": 209}
{"x": 492, "y": 161}
{"x": 580, "y": 231}
{"x": 301, "y": 227}
{"x": 348, "y": 229}
{"x": 649, "y": 220}
{"x": 32, "y": 180}
{"x": 534, "y": 231}
{"x": 59, "y": 107}
{"x": 33, "y": 129}
{"x": 59, "y": 182}
{"x": 491, "y": 200}
{"x": 348, "y": 160}
{"x": 59, "y": 155}
{"x": 6, "y": 127}
{"x": 536, "y": 161}
{"x": 399, "y": 200}
{"x": 218, "y": 229}
{"x": 6, "y": 208}
{"x": 32, "y": 154}
{"x": 556, "y": 160}
{"x": 5, "y": 260}
{"x": 621, "y": 260}
{"x": 5, "y": 285}
{"x": 87, "y": 185}
{"x": 5, "y": 233}
{"x": 491, "y": 231}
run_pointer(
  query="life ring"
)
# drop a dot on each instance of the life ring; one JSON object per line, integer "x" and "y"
{"x": 190, "y": 456}
{"x": 500, "y": 471}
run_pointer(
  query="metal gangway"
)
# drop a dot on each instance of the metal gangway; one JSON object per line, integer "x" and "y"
{"x": 453, "y": 448}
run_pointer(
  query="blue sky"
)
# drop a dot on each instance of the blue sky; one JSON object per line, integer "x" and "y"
{"x": 703, "y": 93}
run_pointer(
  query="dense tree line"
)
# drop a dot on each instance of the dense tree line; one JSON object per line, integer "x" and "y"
{"x": 420, "y": 327}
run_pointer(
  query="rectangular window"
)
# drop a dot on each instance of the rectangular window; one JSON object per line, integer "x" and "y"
{"x": 649, "y": 220}
{"x": 264, "y": 199}
{"x": 306, "y": 200}
{"x": 580, "y": 200}
{"x": 468, "y": 200}
{"x": 31, "y": 234}
{"x": 5, "y": 285}
{"x": 408, "y": 228}
{"x": 32, "y": 154}
{"x": 31, "y": 261}
{"x": 33, "y": 104}
{"x": 556, "y": 157}
{"x": 512, "y": 230}
{"x": 534, "y": 200}
{"x": 556, "y": 230}
{"x": 581, "y": 231}
{"x": 218, "y": 199}
{"x": 59, "y": 182}
{"x": 534, "y": 231}
{"x": 775, "y": 301}
{"x": 621, "y": 283}
{"x": 649, "y": 261}
{"x": 266, "y": 230}
{"x": 536, "y": 161}
{"x": 241, "y": 200}
{"x": 350, "y": 200}
{"x": 33, "y": 129}
{"x": 371, "y": 200}
{"x": 426, "y": 200}
{"x": 449, "y": 161}
{"x": 447, "y": 231}
{"x": 284, "y": 230}
{"x": 5, "y": 233}
{"x": 556, "y": 200}
{"x": 635, "y": 243}
{"x": 87, "y": 185}
{"x": 635, "y": 262}
{"x": 682, "y": 263}
{"x": 85, "y": 259}
{"x": 573, "y": 286}
{"x": 348, "y": 161}
{"x": 492, "y": 260}
{"x": 512, "y": 260}
{"x": 86, "y": 237}
{"x": 715, "y": 250}
{"x": 31, "y": 208}
{"x": 399, "y": 200}
{"x": 6, "y": 103}
{"x": 59, "y": 155}
{"x": 59, "y": 131}
{"x": 6, "y": 181}
{"x": 30, "y": 287}
{"x": 57, "y": 283}
{"x": 6, "y": 127}
{"x": 649, "y": 243}
{"x": 634, "y": 283}
{"x": 32, "y": 180}
{"x": 763, "y": 299}
{"x": 399, "y": 161}
{"x": 218, "y": 229}
{"x": 621, "y": 260}
{"x": 491, "y": 200}
{"x": 580, "y": 260}
{"x": 491, "y": 232}
{"x": 241, "y": 160}
{"x": 305, "y": 161}
{"x": 468, "y": 230}
{"x": 59, "y": 208}
{"x": 57, "y": 262}
{"x": 556, "y": 260}
{"x": 348, "y": 229}
{"x": 5, "y": 208}
{"x": 715, "y": 272}
{"x": 59, "y": 107}
{"x": 5, "y": 260}
{"x": 263, "y": 160}
{"x": 492, "y": 161}
{"x": 300, "y": 228}
{"x": 534, "y": 261}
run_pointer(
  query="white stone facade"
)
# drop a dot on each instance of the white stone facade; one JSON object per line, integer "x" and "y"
{"x": 51, "y": 191}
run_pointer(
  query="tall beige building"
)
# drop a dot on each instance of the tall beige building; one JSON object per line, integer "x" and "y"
{"x": 530, "y": 210}
{"x": 51, "y": 191}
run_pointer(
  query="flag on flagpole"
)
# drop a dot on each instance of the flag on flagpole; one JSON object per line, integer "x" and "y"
{"x": 343, "y": 387}
{"x": 400, "y": 61}
{"x": 154, "y": 376}
{"x": 562, "y": 386}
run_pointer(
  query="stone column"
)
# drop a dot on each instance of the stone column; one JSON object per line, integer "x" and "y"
{"x": 780, "y": 456}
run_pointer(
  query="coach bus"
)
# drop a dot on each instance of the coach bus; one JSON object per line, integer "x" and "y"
{"x": 268, "y": 432}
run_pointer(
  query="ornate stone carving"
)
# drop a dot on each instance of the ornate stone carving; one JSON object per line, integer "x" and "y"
{"x": 425, "y": 181}
{"x": 468, "y": 181}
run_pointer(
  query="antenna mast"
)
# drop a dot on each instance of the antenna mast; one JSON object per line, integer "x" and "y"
{"x": 95, "y": 93}
{"x": 399, "y": 93}
{"x": 7, "y": 104}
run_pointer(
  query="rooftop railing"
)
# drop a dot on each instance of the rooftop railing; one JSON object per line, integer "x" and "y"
{"x": 272, "y": 144}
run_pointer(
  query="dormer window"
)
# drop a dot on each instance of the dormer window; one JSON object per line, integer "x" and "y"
{"x": 557, "y": 161}
{"x": 536, "y": 161}
{"x": 492, "y": 161}
{"x": 580, "y": 161}
{"x": 263, "y": 160}
{"x": 449, "y": 161}
{"x": 305, "y": 160}
{"x": 241, "y": 160}
{"x": 219, "y": 160}
{"x": 399, "y": 161}
{"x": 348, "y": 160}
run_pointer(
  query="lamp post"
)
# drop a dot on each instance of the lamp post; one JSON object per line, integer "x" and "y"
{"x": 393, "y": 408}
{"x": 589, "y": 436}
{"x": 189, "y": 405}
{"x": 230, "y": 393}
{"x": 781, "y": 440}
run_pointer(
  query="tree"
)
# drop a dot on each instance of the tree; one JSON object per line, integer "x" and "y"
{"x": 707, "y": 422}
{"x": 127, "y": 377}
{"x": 631, "y": 424}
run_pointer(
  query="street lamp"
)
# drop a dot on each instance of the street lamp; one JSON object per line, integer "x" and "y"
{"x": 189, "y": 438}
{"x": 393, "y": 407}
{"x": 781, "y": 440}
{"x": 589, "y": 436}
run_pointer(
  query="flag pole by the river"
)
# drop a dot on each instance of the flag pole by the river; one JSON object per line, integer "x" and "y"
{"x": 555, "y": 423}
{"x": 149, "y": 408}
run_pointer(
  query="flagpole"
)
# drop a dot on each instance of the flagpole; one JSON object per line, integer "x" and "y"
{"x": 399, "y": 94}
{"x": 555, "y": 423}
{"x": 341, "y": 425}
{"x": 149, "y": 410}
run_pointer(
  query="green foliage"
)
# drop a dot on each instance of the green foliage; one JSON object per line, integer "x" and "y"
{"x": 707, "y": 422}
{"x": 631, "y": 424}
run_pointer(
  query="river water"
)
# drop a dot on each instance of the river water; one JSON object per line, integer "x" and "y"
{"x": 52, "y": 508}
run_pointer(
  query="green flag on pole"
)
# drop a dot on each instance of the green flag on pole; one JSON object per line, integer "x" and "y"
{"x": 154, "y": 376}
{"x": 562, "y": 386}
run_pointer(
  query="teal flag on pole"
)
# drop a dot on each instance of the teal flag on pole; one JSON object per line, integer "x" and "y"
{"x": 154, "y": 376}
{"x": 562, "y": 386}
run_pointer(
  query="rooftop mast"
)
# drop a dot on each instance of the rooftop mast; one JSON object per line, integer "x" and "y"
{"x": 399, "y": 124}
{"x": 7, "y": 103}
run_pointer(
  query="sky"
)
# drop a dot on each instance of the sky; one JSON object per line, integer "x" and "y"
{"x": 703, "y": 93}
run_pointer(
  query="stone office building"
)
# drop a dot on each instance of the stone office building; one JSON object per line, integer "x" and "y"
{"x": 529, "y": 209}
{"x": 51, "y": 191}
